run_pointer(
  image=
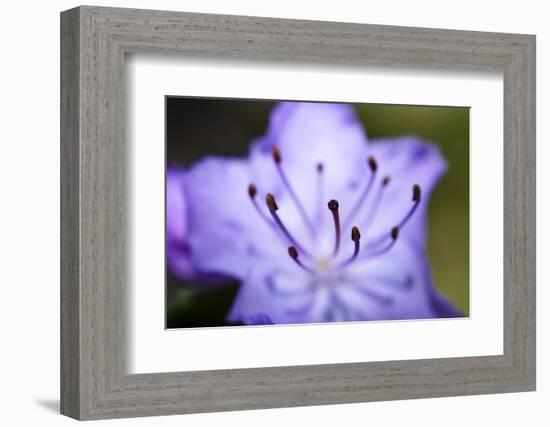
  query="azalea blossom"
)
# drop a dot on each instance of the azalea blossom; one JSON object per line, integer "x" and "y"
{"x": 177, "y": 249}
{"x": 317, "y": 223}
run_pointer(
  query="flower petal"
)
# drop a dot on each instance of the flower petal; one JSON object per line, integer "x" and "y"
{"x": 308, "y": 134}
{"x": 176, "y": 206}
{"x": 226, "y": 233}
{"x": 397, "y": 285}
{"x": 177, "y": 249}
{"x": 284, "y": 296}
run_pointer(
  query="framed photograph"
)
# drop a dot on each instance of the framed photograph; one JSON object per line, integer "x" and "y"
{"x": 310, "y": 224}
{"x": 263, "y": 213}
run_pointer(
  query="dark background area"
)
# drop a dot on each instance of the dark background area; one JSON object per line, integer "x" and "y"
{"x": 196, "y": 127}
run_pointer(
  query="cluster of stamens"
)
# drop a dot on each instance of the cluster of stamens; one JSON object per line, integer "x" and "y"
{"x": 373, "y": 248}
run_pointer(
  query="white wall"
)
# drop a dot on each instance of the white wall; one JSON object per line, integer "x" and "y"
{"x": 29, "y": 212}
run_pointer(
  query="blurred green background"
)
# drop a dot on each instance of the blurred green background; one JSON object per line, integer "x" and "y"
{"x": 196, "y": 127}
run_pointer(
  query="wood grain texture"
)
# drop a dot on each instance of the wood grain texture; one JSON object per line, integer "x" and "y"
{"x": 70, "y": 221}
{"x": 94, "y": 270}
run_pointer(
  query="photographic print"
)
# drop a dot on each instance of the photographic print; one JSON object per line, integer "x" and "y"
{"x": 286, "y": 212}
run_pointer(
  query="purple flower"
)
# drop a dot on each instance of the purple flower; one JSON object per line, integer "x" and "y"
{"x": 177, "y": 250}
{"x": 318, "y": 223}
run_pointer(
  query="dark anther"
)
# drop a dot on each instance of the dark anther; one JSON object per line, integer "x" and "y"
{"x": 355, "y": 234}
{"x": 293, "y": 252}
{"x": 320, "y": 167}
{"x": 252, "y": 191}
{"x": 394, "y": 233}
{"x": 276, "y": 154}
{"x": 271, "y": 203}
{"x": 386, "y": 181}
{"x": 372, "y": 164}
{"x": 333, "y": 206}
{"x": 278, "y": 159}
{"x": 294, "y": 255}
{"x": 416, "y": 193}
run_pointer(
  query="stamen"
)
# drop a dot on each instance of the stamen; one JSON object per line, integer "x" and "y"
{"x": 371, "y": 215}
{"x": 355, "y": 236}
{"x": 333, "y": 206}
{"x": 278, "y": 159}
{"x": 252, "y": 192}
{"x": 373, "y": 166}
{"x": 276, "y": 154}
{"x": 320, "y": 197}
{"x": 271, "y": 203}
{"x": 416, "y": 199}
{"x": 393, "y": 234}
{"x": 294, "y": 255}
{"x": 273, "y": 207}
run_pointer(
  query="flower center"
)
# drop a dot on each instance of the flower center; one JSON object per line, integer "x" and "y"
{"x": 325, "y": 266}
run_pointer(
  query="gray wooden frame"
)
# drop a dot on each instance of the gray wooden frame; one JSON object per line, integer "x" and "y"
{"x": 94, "y": 41}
